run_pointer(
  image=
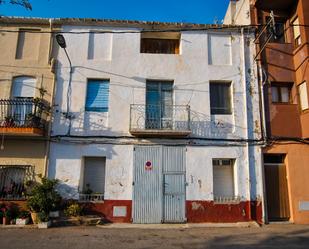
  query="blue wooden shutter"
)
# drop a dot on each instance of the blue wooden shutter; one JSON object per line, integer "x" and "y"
{"x": 97, "y": 95}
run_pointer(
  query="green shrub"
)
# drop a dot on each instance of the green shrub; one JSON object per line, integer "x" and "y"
{"x": 73, "y": 210}
{"x": 43, "y": 196}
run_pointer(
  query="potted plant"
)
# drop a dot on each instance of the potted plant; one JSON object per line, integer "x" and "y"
{"x": 44, "y": 220}
{"x": 9, "y": 121}
{"x": 42, "y": 199}
{"x": 1, "y": 216}
{"x": 23, "y": 218}
{"x": 6, "y": 216}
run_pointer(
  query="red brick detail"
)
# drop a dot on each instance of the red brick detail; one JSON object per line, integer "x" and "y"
{"x": 208, "y": 211}
{"x": 105, "y": 209}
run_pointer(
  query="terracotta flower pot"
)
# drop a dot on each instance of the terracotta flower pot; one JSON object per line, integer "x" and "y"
{"x": 6, "y": 221}
{"x": 35, "y": 218}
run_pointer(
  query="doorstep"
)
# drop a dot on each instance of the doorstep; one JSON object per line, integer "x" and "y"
{"x": 179, "y": 226}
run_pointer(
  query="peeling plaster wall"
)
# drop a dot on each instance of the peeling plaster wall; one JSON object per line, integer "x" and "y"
{"x": 128, "y": 70}
{"x": 66, "y": 164}
{"x": 199, "y": 174}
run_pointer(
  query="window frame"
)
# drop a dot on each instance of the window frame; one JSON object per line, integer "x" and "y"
{"x": 297, "y": 40}
{"x": 232, "y": 163}
{"x": 104, "y": 109}
{"x": 229, "y": 110}
{"x": 299, "y": 94}
{"x": 278, "y": 86}
{"x": 157, "y": 37}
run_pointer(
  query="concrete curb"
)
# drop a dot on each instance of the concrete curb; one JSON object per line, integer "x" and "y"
{"x": 178, "y": 226}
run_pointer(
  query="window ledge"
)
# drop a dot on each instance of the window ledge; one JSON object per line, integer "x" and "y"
{"x": 227, "y": 200}
{"x": 92, "y": 198}
{"x": 282, "y": 103}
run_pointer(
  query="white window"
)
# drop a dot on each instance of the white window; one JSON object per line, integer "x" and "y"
{"x": 94, "y": 178}
{"x": 303, "y": 95}
{"x": 24, "y": 87}
{"x": 223, "y": 179}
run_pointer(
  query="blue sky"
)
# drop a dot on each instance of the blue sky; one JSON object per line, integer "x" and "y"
{"x": 196, "y": 11}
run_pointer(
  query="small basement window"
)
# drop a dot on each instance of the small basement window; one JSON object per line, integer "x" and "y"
{"x": 160, "y": 42}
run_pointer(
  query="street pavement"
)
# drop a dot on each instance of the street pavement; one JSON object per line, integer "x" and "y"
{"x": 271, "y": 236}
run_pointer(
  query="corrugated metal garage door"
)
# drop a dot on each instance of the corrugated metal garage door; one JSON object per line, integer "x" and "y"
{"x": 174, "y": 184}
{"x": 147, "y": 197}
{"x": 159, "y": 184}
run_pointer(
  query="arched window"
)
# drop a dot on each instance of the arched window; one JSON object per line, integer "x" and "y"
{"x": 23, "y": 87}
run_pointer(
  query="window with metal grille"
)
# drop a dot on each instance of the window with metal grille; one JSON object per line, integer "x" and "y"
{"x": 281, "y": 92}
{"x": 223, "y": 179}
{"x": 12, "y": 181}
{"x": 97, "y": 95}
{"x": 220, "y": 97}
{"x": 160, "y": 43}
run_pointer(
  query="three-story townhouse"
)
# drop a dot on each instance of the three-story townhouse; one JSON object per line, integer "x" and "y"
{"x": 158, "y": 122}
{"x": 26, "y": 91}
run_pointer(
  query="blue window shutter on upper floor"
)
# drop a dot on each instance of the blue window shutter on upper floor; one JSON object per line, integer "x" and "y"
{"x": 97, "y": 95}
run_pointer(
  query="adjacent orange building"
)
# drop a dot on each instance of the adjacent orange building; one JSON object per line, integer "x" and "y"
{"x": 282, "y": 58}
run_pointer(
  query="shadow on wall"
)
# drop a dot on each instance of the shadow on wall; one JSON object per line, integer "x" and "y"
{"x": 62, "y": 165}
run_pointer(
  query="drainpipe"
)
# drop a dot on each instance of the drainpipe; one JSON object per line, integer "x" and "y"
{"x": 262, "y": 82}
{"x": 52, "y": 62}
{"x": 245, "y": 116}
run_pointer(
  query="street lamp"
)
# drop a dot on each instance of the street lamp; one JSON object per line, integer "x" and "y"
{"x": 61, "y": 42}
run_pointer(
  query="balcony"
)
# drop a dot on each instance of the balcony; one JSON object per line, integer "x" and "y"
{"x": 275, "y": 4}
{"x": 22, "y": 117}
{"x": 160, "y": 121}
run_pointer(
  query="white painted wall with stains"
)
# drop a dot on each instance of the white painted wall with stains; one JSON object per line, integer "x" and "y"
{"x": 204, "y": 56}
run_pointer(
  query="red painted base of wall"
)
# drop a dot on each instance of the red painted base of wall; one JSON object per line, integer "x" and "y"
{"x": 196, "y": 211}
{"x": 106, "y": 209}
{"x": 208, "y": 211}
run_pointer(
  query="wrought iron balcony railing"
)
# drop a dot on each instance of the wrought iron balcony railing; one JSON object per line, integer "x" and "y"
{"x": 169, "y": 120}
{"x": 22, "y": 113}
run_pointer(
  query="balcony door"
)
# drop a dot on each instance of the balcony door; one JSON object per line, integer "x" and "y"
{"x": 23, "y": 88}
{"x": 159, "y": 101}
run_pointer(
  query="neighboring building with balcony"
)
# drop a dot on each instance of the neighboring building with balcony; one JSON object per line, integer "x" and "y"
{"x": 158, "y": 126}
{"x": 26, "y": 90}
{"x": 283, "y": 64}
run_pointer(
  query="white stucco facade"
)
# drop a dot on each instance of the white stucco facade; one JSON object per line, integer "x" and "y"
{"x": 214, "y": 55}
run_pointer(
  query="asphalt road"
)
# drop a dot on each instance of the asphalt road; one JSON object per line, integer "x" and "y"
{"x": 271, "y": 236}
